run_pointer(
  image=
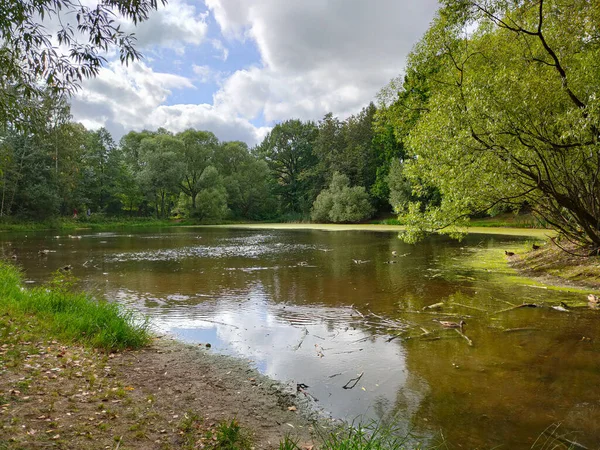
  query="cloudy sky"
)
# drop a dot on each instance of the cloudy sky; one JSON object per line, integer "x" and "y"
{"x": 237, "y": 67}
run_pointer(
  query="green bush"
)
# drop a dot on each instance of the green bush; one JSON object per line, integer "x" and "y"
{"x": 341, "y": 203}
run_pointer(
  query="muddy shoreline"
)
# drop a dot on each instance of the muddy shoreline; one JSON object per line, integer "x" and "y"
{"x": 166, "y": 395}
{"x": 184, "y": 377}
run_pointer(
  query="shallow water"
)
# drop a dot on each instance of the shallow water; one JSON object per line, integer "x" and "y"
{"x": 319, "y": 308}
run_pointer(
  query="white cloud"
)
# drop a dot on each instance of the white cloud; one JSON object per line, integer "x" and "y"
{"x": 174, "y": 26}
{"x": 204, "y": 73}
{"x": 132, "y": 98}
{"x": 317, "y": 56}
{"x": 223, "y": 51}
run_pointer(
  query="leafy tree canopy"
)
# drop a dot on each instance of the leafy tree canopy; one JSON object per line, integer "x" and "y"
{"x": 513, "y": 114}
{"x": 31, "y": 61}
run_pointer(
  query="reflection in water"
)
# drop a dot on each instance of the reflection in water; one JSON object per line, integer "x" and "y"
{"x": 319, "y": 308}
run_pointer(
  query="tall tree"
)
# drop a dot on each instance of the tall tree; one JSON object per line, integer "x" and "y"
{"x": 197, "y": 151}
{"x": 102, "y": 161}
{"x": 288, "y": 150}
{"x": 162, "y": 170}
{"x": 514, "y": 113}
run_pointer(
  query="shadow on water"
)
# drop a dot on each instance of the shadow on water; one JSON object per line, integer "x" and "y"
{"x": 322, "y": 308}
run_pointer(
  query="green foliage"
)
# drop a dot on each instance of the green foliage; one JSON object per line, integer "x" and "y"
{"x": 249, "y": 190}
{"x": 30, "y": 61}
{"x": 511, "y": 114}
{"x": 230, "y": 436}
{"x": 404, "y": 194}
{"x": 72, "y": 315}
{"x": 211, "y": 201}
{"x": 288, "y": 150}
{"x": 358, "y": 148}
{"x": 341, "y": 203}
{"x": 196, "y": 153}
{"x": 102, "y": 169}
{"x": 371, "y": 436}
{"x": 162, "y": 171}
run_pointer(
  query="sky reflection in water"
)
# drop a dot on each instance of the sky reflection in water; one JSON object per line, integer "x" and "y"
{"x": 299, "y": 307}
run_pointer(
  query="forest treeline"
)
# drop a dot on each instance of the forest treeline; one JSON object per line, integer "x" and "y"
{"x": 498, "y": 109}
{"x": 335, "y": 170}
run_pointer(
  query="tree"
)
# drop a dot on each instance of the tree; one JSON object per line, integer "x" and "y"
{"x": 212, "y": 198}
{"x": 249, "y": 190}
{"x": 102, "y": 164}
{"x": 360, "y": 151}
{"x": 196, "y": 154}
{"x": 246, "y": 180}
{"x": 69, "y": 141}
{"x": 405, "y": 195}
{"x": 162, "y": 170}
{"x": 28, "y": 51}
{"x": 513, "y": 115}
{"x": 329, "y": 148}
{"x": 288, "y": 150}
{"x": 341, "y": 203}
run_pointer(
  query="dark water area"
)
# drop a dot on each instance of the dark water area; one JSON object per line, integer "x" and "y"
{"x": 321, "y": 308}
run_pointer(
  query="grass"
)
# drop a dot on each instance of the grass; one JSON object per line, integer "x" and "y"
{"x": 227, "y": 435}
{"x": 94, "y": 222}
{"x": 68, "y": 315}
{"x": 505, "y": 220}
{"x": 369, "y": 436}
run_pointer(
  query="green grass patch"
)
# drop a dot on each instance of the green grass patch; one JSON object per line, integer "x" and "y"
{"x": 369, "y": 436}
{"x": 506, "y": 220}
{"x": 68, "y": 315}
{"x": 94, "y": 222}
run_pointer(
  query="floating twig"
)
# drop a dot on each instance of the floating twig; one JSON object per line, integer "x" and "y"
{"x": 514, "y": 330}
{"x": 437, "y": 313}
{"x": 356, "y": 380}
{"x": 465, "y": 336}
{"x": 524, "y": 305}
{"x": 425, "y": 331}
{"x": 220, "y": 323}
{"x": 304, "y": 334}
{"x": 468, "y": 306}
{"x": 349, "y": 351}
{"x": 358, "y": 312}
{"x": 434, "y": 306}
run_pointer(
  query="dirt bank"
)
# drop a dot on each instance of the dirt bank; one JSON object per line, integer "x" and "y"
{"x": 554, "y": 266}
{"x": 168, "y": 395}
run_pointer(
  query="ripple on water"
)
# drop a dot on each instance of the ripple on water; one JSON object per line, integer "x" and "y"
{"x": 211, "y": 252}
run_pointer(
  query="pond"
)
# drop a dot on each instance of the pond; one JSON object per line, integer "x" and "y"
{"x": 343, "y": 313}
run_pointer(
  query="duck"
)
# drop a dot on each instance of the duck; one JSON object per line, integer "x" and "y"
{"x": 460, "y": 325}
{"x": 535, "y": 247}
{"x": 507, "y": 253}
{"x": 593, "y": 301}
{"x": 394, "y": 253}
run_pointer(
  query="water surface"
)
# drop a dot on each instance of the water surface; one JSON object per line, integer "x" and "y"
{"x": 322, "y": 308}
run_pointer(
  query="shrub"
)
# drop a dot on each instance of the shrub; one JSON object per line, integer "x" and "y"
{"x": 341, "y": 203}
